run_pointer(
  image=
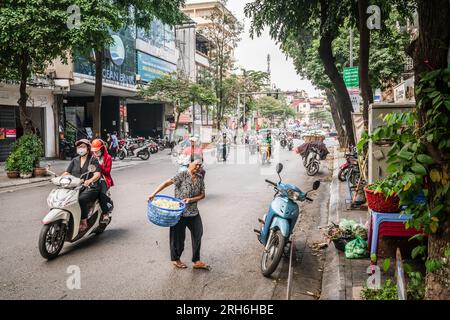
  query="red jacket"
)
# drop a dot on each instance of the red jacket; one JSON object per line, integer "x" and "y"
{"x": 106, "y": 168}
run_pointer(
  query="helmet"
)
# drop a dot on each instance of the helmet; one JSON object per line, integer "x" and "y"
{"x": 97, "y": 145}
{"x": 85, "y": 141}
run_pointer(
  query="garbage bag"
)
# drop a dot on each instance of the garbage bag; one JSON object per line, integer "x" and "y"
{"x": 346, "y": 225}
{"x": 356, "y": 249}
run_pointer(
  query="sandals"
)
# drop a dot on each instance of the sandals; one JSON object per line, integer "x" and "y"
{"x": 201, "y": 265}
{"x": 179, "y": 265}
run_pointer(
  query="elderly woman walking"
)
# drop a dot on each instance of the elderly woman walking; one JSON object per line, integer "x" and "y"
{"x": 190, "y": 187}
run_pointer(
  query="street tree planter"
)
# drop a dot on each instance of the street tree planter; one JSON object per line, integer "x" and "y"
{"x": 39, "y": 171}
{"x": 378, "y": 202}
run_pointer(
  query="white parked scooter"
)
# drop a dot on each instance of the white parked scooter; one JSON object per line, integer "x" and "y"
{"x": 62, "y": 223}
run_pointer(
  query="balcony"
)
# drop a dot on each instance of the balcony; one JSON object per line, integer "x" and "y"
{"x": 202, "y": 59}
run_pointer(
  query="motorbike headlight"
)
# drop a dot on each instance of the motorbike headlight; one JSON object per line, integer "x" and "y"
{"x": 293, "y": 195}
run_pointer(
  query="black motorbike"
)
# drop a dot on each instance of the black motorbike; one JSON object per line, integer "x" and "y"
{"x": 67, "y": 150}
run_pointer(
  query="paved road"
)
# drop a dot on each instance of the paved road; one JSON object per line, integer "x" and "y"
{"x": 130, "y": 260}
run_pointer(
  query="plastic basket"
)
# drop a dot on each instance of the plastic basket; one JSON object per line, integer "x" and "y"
{"x": 377, "y": 202}
{"x": 165, "y": 217}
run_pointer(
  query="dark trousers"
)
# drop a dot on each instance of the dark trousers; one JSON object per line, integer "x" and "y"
{"x": 178, "y": 235}
{"x": 87, "y": 196}
{"x": 113, "y": 152}
{"x": 103, "y": 197}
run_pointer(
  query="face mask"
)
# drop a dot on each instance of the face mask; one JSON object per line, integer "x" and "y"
{"x": 81, "y": 151}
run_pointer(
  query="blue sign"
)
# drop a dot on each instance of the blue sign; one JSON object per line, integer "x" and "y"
{"x": 150, "y": 67}
{"x": 117, "y": 51}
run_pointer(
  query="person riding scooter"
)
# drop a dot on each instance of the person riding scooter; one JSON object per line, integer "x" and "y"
{"x": 192, "y": 148}
{"x": 268, "y": 142}
{"x": 99, "y": 151}
{"x": 87, "y": 167}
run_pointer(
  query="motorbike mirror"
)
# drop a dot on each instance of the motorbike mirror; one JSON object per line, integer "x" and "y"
{"x": 279, "y": 168}
{"x": 316, "y": 185}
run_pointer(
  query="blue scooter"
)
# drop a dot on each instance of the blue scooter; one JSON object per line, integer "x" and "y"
{"x": 279, "y": 222}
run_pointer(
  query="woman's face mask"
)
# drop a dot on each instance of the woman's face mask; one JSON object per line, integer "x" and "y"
{"x": 82, "y": 151}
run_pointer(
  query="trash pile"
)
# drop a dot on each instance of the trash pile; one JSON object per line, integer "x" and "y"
{"x": 349, "y": 237}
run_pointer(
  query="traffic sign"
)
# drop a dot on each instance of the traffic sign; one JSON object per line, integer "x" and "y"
{"x": 351, "y": 77}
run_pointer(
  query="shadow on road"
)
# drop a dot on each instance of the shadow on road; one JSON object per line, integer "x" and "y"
{"x": 111, "y": 234}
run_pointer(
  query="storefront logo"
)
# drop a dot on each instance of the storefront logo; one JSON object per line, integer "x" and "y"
{"x": 117, "y": 51}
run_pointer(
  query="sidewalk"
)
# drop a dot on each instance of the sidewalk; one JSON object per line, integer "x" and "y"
{"x": 342, "y": 275}
{"x": 59, "y": 166}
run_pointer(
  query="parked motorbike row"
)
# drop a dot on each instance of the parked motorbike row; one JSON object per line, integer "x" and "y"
{"x": 350, "y": 169}
{"x": 140, "y": 147}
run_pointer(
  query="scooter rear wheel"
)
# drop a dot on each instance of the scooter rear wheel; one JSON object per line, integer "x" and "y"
{"x": 51, "y": 239}
{"x": 144, "y": 154}
{"x": 271, "y": 258}
{"x": 121, "y": 155}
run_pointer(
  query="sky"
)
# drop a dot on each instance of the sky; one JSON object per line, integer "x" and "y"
{"x": 252, "y": 54}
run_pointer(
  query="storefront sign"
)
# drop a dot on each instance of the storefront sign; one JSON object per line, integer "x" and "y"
{"x": 150, "y": 67}
{"x": 11, "y": 133}
{"x": 119, "y": 66}
{"x": 355, "y": 98}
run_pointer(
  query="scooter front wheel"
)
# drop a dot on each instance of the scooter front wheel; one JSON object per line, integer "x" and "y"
{"x": 342, "y": 175}
{"x": 313, "y": 168}
{"x": 121, "y": 155}
{"x": 51, "y": 239}
{"x": 272, "y": 256}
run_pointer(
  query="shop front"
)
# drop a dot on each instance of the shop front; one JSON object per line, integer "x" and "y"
{"x": 39, "y": 107}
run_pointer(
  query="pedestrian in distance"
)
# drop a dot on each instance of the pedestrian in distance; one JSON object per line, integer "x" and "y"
{"x": 190, "y": 187}
{"x": 114, "y": 145}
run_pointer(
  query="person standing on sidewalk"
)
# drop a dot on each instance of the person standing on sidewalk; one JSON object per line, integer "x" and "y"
{"x": 114, "y": 145}
{"x": 190, "y": 187}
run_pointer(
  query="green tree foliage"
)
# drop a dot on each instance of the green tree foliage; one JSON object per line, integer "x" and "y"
{"x": 223, "y": 33}
{"x": 32, "y": 34}
{"x": 271, "y": 108}
{"x": 178, "y": 90}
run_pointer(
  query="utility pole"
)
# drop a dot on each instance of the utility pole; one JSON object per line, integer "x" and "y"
{"x": 351, "y": 47}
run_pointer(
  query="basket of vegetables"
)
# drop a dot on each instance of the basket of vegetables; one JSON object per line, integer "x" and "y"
{"x": 165, "y": 211}
{"x": 380, "y": 197}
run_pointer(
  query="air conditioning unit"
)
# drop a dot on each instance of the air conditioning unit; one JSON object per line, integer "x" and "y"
{"x": 378, "y": 153}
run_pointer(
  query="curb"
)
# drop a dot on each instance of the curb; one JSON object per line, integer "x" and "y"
{"x": 333, "y": 280}
{"x": 26, "y": 182}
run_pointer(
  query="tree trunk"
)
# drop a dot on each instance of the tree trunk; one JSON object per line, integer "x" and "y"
{"x": 336, "y": 118}
{"x": 25, "y": 119}
{"x": 56, "y": 111}
{"x": 429, "y": 53}
{"x": 96, "y": 114}
{"x": 342, "y": 97}
{"x": 178, "y": 120}
{"x": 364, "y": 51}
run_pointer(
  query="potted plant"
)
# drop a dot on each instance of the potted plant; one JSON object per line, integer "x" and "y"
{"x": 12, "y": 166}
{"x": 26, "y": 165}
{"x": 30, "y": 149}
{"x": 381, "y": 197}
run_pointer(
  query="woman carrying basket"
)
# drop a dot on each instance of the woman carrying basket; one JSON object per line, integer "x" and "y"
{"x": 190, "y": 187}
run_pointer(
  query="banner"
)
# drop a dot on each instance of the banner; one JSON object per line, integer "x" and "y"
{"x": 150, "y": 67}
